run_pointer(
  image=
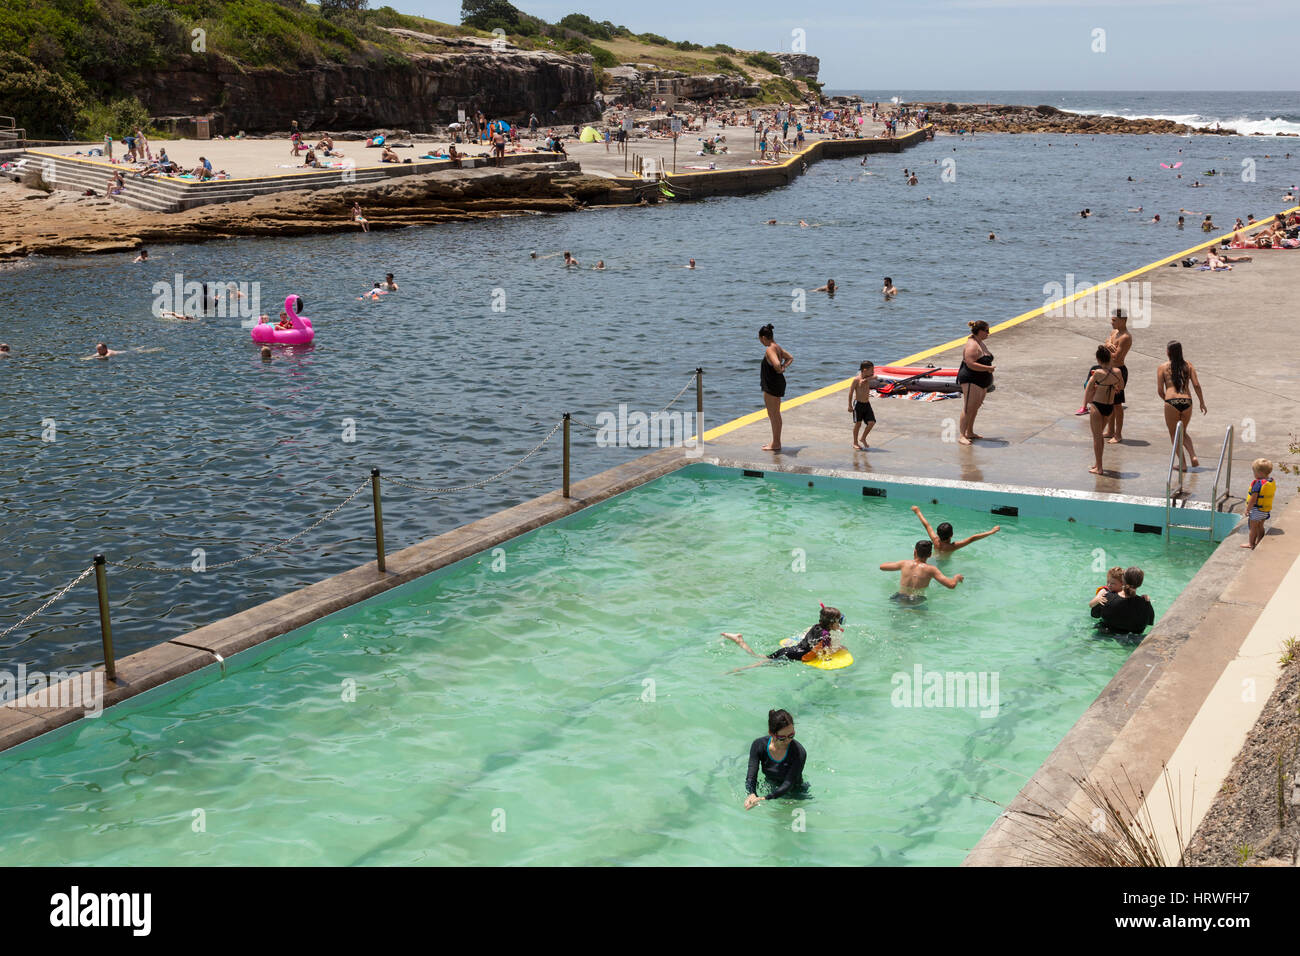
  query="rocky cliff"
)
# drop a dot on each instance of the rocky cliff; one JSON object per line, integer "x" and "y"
{"x": 796, "y": 66}
{"x": 421, "y": 92}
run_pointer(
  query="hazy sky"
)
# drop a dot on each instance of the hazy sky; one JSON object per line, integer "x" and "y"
{"x": 975, "y": 44}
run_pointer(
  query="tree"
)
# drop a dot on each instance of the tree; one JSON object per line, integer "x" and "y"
{"x": 331, "y": 9}
{"x": 39, "y": 99}
{"x": 479, "y": 14}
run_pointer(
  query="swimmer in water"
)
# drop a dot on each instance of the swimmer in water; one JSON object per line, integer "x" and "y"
{"x": 916, "y": 575}
{"x": 102, "y": 351}
{"x": 569, "y": 261}
{"x": 828, "y": 288}
{"x": 142, "y": 257}
{"x": 390, "y": 283}
{"x": 818, "y": 641}
{"x": 941, "y": 537}
{"x": 888, "y": 289}
{"x": 266, "y": 353}
{"x": 177, "y": 315}
{"x": 600, "y": 265}
{"x": 372, "y": 294}
{"x": 691, "y": 264}
{"x": 992, "y": 236}
{"x": 802, "y": 224}
{"x": 779, "y": 756}
{"x": 4, "y": 350}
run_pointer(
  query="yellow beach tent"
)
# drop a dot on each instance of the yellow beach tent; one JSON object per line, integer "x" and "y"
{"x": 589, "y": 135}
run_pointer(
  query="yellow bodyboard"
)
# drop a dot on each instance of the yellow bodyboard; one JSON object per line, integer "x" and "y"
{"x": 840, "y": 659}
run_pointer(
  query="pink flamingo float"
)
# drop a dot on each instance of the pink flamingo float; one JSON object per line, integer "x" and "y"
{"x": 300, "y": 334}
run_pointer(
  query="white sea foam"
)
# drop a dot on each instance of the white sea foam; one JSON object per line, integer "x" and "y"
{"x": 1242, "y": 124}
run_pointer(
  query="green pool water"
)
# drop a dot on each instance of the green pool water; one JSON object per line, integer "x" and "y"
{"x": 567, "y": 700}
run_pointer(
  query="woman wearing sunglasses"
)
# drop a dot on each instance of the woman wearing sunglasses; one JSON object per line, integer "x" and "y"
{"x": 779, "y": 756}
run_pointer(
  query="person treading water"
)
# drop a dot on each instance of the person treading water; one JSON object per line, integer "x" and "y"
{"x": 818, "y": 641}
{"x": 780, "y": 757}
{"x": 916, "y": 575}
{"x": 941, "y": 537}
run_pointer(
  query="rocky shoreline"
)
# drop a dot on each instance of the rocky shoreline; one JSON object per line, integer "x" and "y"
{"x": 35, "y": 223}
{"x": 950, "y": 117}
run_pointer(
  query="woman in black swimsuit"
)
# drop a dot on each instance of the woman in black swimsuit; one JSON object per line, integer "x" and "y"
{"x": 772, "y": 377}
{"x": 1173, "y": 380}
{"x": 975, "y": 378}
{"x": 1103, "y": 384}
{"x": 780, "y": 757}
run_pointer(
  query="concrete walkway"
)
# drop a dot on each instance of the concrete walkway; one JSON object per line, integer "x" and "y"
{"x": 1237, "y": 329}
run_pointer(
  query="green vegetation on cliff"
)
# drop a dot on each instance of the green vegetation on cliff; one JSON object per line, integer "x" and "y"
{"x": 63, "y": 60}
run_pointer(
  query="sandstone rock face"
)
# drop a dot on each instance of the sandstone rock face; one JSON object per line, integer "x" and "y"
{"x": 641, "y": 83}
{"x": 799, "y": 65}
{"x": 419, "y": 95}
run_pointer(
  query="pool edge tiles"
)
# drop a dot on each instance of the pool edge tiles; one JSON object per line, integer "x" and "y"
{"x": 1097, "y": 509}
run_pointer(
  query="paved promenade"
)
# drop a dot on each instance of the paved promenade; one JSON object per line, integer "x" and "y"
{"x": 1241, "y": 339}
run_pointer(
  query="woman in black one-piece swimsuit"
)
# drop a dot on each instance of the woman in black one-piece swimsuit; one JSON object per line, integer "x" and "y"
{"x": 772, "y": 377}
{"x": 975, "y": 377}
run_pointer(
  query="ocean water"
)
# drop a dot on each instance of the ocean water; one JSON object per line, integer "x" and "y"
{"x": 192, "y": 444}
{"x": 576, "y": 704}
{"x": 1248, "y": 113}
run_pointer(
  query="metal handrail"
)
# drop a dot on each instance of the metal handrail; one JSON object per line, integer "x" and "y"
{"x": 1225, "y": 454}
{"x": 1175, "y": 454}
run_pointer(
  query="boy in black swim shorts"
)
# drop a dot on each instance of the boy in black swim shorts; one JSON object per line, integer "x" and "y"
{"x": 860, "y": 404}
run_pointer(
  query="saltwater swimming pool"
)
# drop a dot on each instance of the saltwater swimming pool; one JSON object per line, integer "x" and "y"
{"x": 566, "y": 699}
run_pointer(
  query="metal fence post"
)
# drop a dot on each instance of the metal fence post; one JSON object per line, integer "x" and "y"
{"x": 105, "y": 625}
{"x": 566, "y": 454}
{"x": 379, "y": 519}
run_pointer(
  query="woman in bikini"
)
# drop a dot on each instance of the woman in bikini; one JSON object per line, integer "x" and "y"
{"x": 975, "y": 378}
{"x": 1173, "y": 381}
{"x": 1103, "y": 385}
{"x": 772, "y": 378}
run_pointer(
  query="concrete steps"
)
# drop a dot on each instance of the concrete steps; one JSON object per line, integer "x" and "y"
{"x": 164, "y": 194}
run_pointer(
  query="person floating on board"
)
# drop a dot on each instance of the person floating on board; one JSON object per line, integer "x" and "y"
{"x": 941, "y": 537}
{"x": 916, "y": 575}
{"x": 780, "y": 757}
{"x": 818, "y": 642}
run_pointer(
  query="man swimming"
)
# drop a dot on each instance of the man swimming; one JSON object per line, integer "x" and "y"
{"x": 941, "y": 537}
{"x": 390, "y": 284}
{"x": 103, "y": 351}
{"x": 916, "y": 575}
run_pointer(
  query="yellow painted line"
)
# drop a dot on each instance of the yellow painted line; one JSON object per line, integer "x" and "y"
{"x": 758, "y": 416}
